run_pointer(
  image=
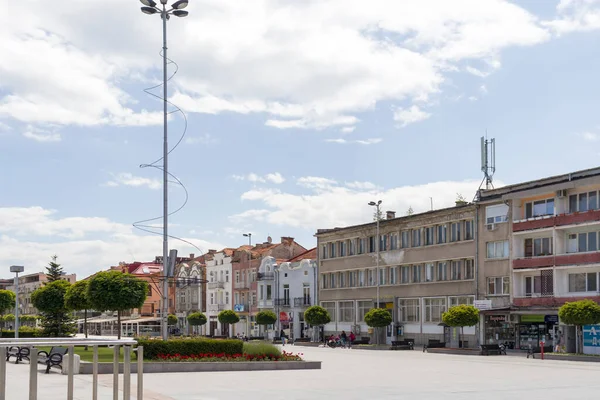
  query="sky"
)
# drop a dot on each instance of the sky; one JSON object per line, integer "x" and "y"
{"x": 298, "y": 114}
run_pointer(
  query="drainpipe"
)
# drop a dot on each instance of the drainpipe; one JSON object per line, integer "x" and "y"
{"x": 476, "y": 228}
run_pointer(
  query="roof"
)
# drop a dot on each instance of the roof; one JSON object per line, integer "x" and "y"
{"x": 406, "y": 218}
{"x": 307, "y": 255}
{"x": 147, "y": 269}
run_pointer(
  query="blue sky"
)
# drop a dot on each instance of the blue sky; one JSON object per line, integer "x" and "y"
{"x": 299, "y": 114}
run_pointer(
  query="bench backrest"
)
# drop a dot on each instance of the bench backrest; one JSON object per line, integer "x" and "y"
{"x": 58, "y": 350}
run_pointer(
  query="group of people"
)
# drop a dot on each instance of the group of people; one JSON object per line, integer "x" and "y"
{"x": 341, "y": 340}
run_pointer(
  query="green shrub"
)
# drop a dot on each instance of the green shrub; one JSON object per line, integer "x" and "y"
{"x": 259, "y": 348}
{"x": 24, "y": 332}
{"x": 188, "y": 347}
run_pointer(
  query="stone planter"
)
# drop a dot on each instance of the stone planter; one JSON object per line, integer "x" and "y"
{"x": 163, "y": 367}
{"x": 462, "y": 352}
{"x": 570, "y": 357}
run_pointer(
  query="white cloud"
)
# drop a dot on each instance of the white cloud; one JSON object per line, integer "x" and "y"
{"x": 357, "y": 141}
{"x": 348, "y": 129}
{"x": 590, "y": 136}
{"x": 305, "y": 65}
{"x": 325, "y": 203}
{"x": 483, "y": 89}
{"x": 257, "y": 215}
{"x": 202, "y": 139}
{"x": 274, "y": 177}
{"x": 575, "y": 16}
{"x": 476, "y": 72}
{"x": 410, "y": 115}
{"x": 41, "y": 135}
{"x": 29, "y": 236}
{"x": 127, "y": 179}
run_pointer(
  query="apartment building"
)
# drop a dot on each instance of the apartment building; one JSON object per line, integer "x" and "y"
{"x": 219, "y": 289}
{"x": 544, "y": 236}
{"x": 245, "y": 265}
{"x": 27, "y": 284}
{"x": 426, "y": 265}
{"x": 190, "y": 290}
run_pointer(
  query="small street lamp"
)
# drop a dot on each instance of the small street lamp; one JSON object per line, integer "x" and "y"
{"x": 16, "y": 269}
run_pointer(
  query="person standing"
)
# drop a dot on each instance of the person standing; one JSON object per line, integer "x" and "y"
{"x": 282, "y": 336}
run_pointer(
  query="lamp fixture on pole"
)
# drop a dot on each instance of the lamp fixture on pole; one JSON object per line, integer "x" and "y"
{"x": 16, "y": 269}
{"x": 150, "y": 8}
{"x": 249, "y": 236}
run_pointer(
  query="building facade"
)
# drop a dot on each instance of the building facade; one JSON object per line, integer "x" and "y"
{"x": 552, "y": 227}
{"x": 245, "y": 265}
{"x": 27, "y": 284}
{"x": 426, "y": 265}
{"x": 190, "y": 288}
{"x": 219, "y": 290}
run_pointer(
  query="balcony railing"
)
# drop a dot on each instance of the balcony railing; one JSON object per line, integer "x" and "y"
{"x": 283, "y": 302}
{"x": 302, "y": 301}
{"x": 577, "y": 258}
{"x": 556, "y": 220}
{"x": 241, "y": 307}
{"x": 216, "y": 307}
{"x": 241, "y": 285}
{"x": 216, "y": 285}
{"x": 533, "y": 262}
{"x": 265, "y": 276}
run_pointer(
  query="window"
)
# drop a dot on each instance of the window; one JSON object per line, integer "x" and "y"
{"x": 429, "y": 232}
{"x": 325, "y": 281}
{"x": 533, "y": 285}
{"x": 405, "y": 274}
{"x": 498, "y": 285}
{"x": 363, "y": 308}
{"x": 429, "y": 272}
{"x": 324, "y": 251}
{"x": 393, "y": 275}
{"x": 362, "y": 244}
{"x": 404, "y": 239}
{"x": 352, "y": 247}
{"x": 469, "y": 269}
{"x": 459, "y": 300}
{"x": 469, "y": 229}
{"x": 269, "y": 294}
{"x": 442, "y": 271}
{"x": 343, "y": 249}
{"x": 372, "y": 277}
{"x": 583, "y": 202}
{"x": 382, "y": 275}
{"x": 226, "y": 297}
{"x": 393, "y": 241}
{"x": 361, "y": 278}
{"x": 456, "y": 270}
{"x": 416, "y": 237}
{"x": 455, "y": 231}
{"x": 351, "y": 278}
{"x": 538, "y": 247}
{"x": 587, "y": 241}
{"x": 497, "y": 249}
{"x": 332, "y": 284}
{"x": 371, "y": 244}
{"x": 496, "y": 214}
{"x": 341, "y": 279}
{"x": 237, "y": 276}
{"x": 434, "y": 308}
{"x": 416, "y": 273}
{"x": 332, "y": 250}
{"x": 585, "y": 282}
{"x": 539, "y": 208}
{"x": 441, "y": 234}
{"x": 346, "y": 311}
{"x": 409, "y": 310}
{"x": 383, "y": 242}
{"x": 330, "y": 307}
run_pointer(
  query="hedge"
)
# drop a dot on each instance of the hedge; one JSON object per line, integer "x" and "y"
{"x": 22, "y": 334}
{"x": 188, "y": 347}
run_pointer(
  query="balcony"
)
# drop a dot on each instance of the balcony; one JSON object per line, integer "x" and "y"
{"x": 216, "y": 285}
{"x": 265, "y": 276}
{"x": 242, "y": 307}
{"x": 533, "y": 262}
{"x": 549, "y": 301}
{"x": 284, "y": 302}
{"x": 578, "y": 258}
{"x": 241, "y": 285}
{"x": 558, "y": 220}
{"x": 302, "y": 301}
{"x": 216, "y": 307}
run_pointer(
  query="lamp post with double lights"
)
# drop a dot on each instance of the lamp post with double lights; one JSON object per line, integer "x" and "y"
{"x": 176, "y": 9}
{"x": 249, "y": 236}
{"x": 16, "y": 269}
{"x": 377, "y": 239}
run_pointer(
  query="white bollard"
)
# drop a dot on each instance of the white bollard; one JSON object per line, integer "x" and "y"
{"x": 76, "y": 363}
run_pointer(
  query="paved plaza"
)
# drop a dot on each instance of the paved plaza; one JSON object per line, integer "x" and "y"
{"x": 353, "y": 374}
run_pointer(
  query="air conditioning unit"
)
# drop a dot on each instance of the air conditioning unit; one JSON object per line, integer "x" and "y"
{"x": 491, "y": 227}
{"x": 561, "y": 193}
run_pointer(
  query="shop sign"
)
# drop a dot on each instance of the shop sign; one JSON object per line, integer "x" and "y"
{"x": 482, "y": 304}
{"x": 498, "y": 318}
{"x": 532, "y": 318}
{"x": 591, "y": 336}
{"x": 551, "y": 319}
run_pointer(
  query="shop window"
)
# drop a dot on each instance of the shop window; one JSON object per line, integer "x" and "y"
{"x": 409, "y": 310}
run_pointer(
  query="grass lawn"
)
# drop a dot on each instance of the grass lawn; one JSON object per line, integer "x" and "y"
{"x": 105, "y": 354}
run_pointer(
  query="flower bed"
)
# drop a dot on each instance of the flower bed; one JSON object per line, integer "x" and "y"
{"x": 223, "y": 357}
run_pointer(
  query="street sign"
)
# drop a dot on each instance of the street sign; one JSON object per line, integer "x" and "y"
{"x": 591, "y": 336}
{"x": 482, "y": 304}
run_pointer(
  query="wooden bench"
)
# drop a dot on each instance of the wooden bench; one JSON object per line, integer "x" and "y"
{"x": 362, "y": 340}
{"x": 407, "y": 344}
{"x": 52, "y": 359}
{"x": 490, "y": 349}
{"x": 302, "y": 340}
{"x": 433, "y": 344}
{"x": 19, "y": 353}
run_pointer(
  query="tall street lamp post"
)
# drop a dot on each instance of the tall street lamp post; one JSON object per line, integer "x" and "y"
{"x": 16, "y": 269}
{"x": 150, "y": 8}
{"x": 377, "y": 239}
{"x": 249, "y": 236}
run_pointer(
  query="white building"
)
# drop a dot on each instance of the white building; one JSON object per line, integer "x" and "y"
{"x": 219, "y": 290}
{"x": 190, "y": 292}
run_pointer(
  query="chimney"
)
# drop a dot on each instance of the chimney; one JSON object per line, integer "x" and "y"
{"x": 287, "y": 240}
{"x": 211, "y": 251}
{"x": 460, "y": 203}
{"x": 269, "y": 240}
{"x": 390, "y": 214}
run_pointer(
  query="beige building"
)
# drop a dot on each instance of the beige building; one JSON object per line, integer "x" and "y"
{"x": 27, "y": 284}
{"x": 426, "y": 265}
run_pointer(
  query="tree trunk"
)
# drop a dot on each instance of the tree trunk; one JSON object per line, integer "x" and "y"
{"x": 119, "y": 324}
{"x": 85, "y": 326}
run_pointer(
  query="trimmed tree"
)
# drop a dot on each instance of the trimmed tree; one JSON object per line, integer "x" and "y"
{"x": 197, "y": 319}
{"x": 580, "y": 313}
{"x": 228, "y": 317}
{"x": 316, "y": 316}
{"x": 54, "y": 271}
{"x": 50, "y": 300}
{"x": 76, "y": 299}
{"x": 266, "y": 318}
{"x": 172, "y": 320}
{"x": 378, "y": 318}
{"x": 7, "y": 301}
{"x": 116, "y": 291}
{"x": 461, "y": 316}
